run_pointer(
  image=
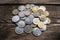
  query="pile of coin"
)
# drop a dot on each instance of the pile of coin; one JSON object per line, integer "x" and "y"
{"x": 30, "y": 18}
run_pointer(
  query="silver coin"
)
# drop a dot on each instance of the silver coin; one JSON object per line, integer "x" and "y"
{"x": 21, "y": 24}
{"x": 21, "y": 14}
{"x": 32, "y": 5}
{"x": 15, "y": 18}
{"x": 42, "y": 7}
{"x": 28, "y": 21}
{"x": 31, "y": 17}
{"x": 19, "y": 30}
{"x": 28, "y": 29}
{"x": 36, "y": 32}
{"x": 21, "y": 8}
{"x": 45, "y": 22}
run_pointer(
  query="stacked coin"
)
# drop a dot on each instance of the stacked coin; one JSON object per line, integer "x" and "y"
{"x": 31, "y": 19}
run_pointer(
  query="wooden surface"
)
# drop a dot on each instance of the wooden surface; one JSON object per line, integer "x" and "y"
{"x": 29, "y": 1}
{"x": 7, "y": 27}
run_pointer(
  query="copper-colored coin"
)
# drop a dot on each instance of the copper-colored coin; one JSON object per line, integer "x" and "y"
{"x": 35, "y": 8}
{"x": 40, "y": 24}
{"x": 15, "y": 11}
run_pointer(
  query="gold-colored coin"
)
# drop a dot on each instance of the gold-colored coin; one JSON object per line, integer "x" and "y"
{"x": 35, "y": 8}
{"x": 42, "y": 17}
{"x": 15, "y": 11}
{"x": 36, "y": 21}
{"x": 46, "y": 13}
{"x": 41, "y": 25}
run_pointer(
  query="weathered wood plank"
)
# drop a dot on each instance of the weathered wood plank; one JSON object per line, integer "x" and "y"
{"x": 52, "y": 33}
{"x": 29, "y": 1}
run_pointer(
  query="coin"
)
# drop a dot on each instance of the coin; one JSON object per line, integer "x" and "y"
{"x": 31, "y": 17}
{"x": 21, "y": 8}
{"x": 21, "y": 24}
{"x": 27, "y": 12}
{"x": 31, "y": 5}
{"x": 36, "y": 14}
{"x": 47, "y": 21}
{"x": 15, "y": 18}
{"x": 15, "y": 11}
{"x": 44, "y": 28}
{"x": 19, "y": 30}
{"x": 28, "y": 29}
{"x": 41, "y": 12}
{"x": 21, "y": 14}
{"x": 35, "y": 9}
{"x": 27, "y": 6}
{"x": 42, "y": 7}
{"x": 46, "y": 13}
{"x": 42, "y": 17}
{"x": 36, "y": 21}
{"x": 36, "y": 31}
{"x": 28, "y": 21}
{"x": 41, "y": 25}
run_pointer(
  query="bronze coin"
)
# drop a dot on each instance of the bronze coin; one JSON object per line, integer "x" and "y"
{"x": 15, "y": 11}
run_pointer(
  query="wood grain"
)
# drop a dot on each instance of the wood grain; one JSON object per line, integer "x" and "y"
{"x": 29, "y": 1}
{"x": 7, "y": 27}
